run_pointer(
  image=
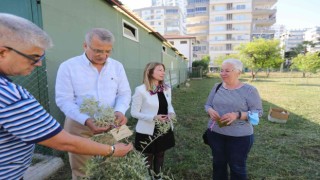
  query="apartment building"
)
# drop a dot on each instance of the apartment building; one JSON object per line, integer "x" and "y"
{"x": 165, "y": 16}
{"x": 218, "y": 25}
{"x": 291, "y": 38}
{"x": 233, "y": 22}
{"x": 181, "y": 3}
{"x": 197, "y": 24}
{"x": 263, "y": 17}
{"x": 278, "y": 29}
{"x": 313, "y": 35}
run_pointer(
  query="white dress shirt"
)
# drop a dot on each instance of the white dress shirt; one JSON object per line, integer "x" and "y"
{"x": 78, "y": 78}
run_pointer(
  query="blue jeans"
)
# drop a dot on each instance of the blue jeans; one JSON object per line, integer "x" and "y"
{"x": 232, "y": 151}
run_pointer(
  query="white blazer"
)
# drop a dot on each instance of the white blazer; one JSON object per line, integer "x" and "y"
{"x": 145, "y": 106}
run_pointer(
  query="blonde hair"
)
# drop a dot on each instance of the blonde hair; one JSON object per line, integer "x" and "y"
{"x": 148, "y": 72}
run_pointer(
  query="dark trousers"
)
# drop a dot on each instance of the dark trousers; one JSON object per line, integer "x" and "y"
{"x": 232, "y": 151}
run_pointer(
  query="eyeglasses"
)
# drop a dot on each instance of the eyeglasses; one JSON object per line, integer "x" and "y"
{"x": 35, "y": 61}
{"x": 99, "y": 51}
{"x": 226, "y": 70}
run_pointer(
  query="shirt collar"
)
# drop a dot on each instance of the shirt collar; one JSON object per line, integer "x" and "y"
{"x": 5, "y": 77}
{"x": 88, "y": 62}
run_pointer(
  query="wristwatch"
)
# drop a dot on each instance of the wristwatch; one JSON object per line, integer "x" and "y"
{"x": 239, "y": 114}
{"x": 113, "y": 148}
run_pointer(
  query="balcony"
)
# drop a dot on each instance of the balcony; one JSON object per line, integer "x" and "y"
{"x": 260, "y": 11}
{"x": 229, "y": 31}
{"x": 228, "y": 41}
{"x": 227, "y": 1}
{"x": 232, "y": 10}
{"x": 231, "y": 21}
{"x": 220, "y": 49}
{"x": 267, "y": 21}
{"x": 265, "y": 2}
{"x": 195, "y": 14}
{"x": 263, "y": 31}
{"x": 198, "y": 33}
{"x": 203, "y": 23}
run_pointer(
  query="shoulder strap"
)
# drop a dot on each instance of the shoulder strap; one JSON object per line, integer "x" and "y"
{"x": 217, "y": 88}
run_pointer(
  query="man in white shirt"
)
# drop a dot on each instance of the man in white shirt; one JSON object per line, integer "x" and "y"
{"x": 92, "y": 74}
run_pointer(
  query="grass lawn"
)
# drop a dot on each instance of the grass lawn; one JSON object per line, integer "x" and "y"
{"x": 280, "y": 151}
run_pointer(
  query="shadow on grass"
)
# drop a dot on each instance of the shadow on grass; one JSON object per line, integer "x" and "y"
{"x": 307, "y": 85}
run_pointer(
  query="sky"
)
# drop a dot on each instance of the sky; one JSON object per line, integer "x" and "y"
{"x": 294, "y": 14}
{"x": 297, "y": 14}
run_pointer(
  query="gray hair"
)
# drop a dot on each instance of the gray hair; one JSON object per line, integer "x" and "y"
{"x": 16, "y": 31}
{"x": 103, "y": 34}
{"x": 237, "y": 64}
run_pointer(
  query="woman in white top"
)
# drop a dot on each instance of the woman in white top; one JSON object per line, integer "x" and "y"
{"x": 152, "y": 101}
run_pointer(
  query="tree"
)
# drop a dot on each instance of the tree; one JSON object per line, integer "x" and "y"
{"x": 301, "y": 48}
{"x": 204, "y": 63}
{"x": 218, "y": 60}
{"x": 261, "y": 54}
{"x": 309, "y": 62}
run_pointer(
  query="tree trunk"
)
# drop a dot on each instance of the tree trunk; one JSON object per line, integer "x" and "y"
{"x": 253, "y": 75}
{"x": 303, "y": 74}
{"x": 268, "y": 72}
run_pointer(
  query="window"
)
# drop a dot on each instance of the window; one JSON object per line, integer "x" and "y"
{"x": 240, "y": 6}
{"x": 171, "y": 11}
{"x": 172, "y": 23}
{"x": 228, "y": 47}
{"x": 229, "y": 27}
{"x": 183, "y": 42}
{"x": 172, "y": 42}
{"x": 130, "y": 31}
{"x": 190, "y": 11}
{"x": 200, "y": 9}
{"x": 219, "y": 18}
{"x": 229, "y": 36}
{"x": 196, "y": 48}
{"x": 219, "y": 38}
{"x": 218, "y": 28}
{"x": 164, "y": 49}
{"x": 229, "y": 17}
{"x": 240, "y": 17}
{"x": 219, "y": 8}
{"x": 197, "y": 1}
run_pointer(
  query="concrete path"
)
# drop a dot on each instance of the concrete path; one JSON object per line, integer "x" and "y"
{"x": 44, "y": 169}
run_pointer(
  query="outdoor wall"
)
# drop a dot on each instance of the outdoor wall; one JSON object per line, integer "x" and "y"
{"x": 176, "y": 67}
{"x": 36, "y": 82}
{"x": 68, "y": 21}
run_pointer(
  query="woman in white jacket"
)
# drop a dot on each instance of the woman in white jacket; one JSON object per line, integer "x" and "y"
{"x": 152, "y": 101}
